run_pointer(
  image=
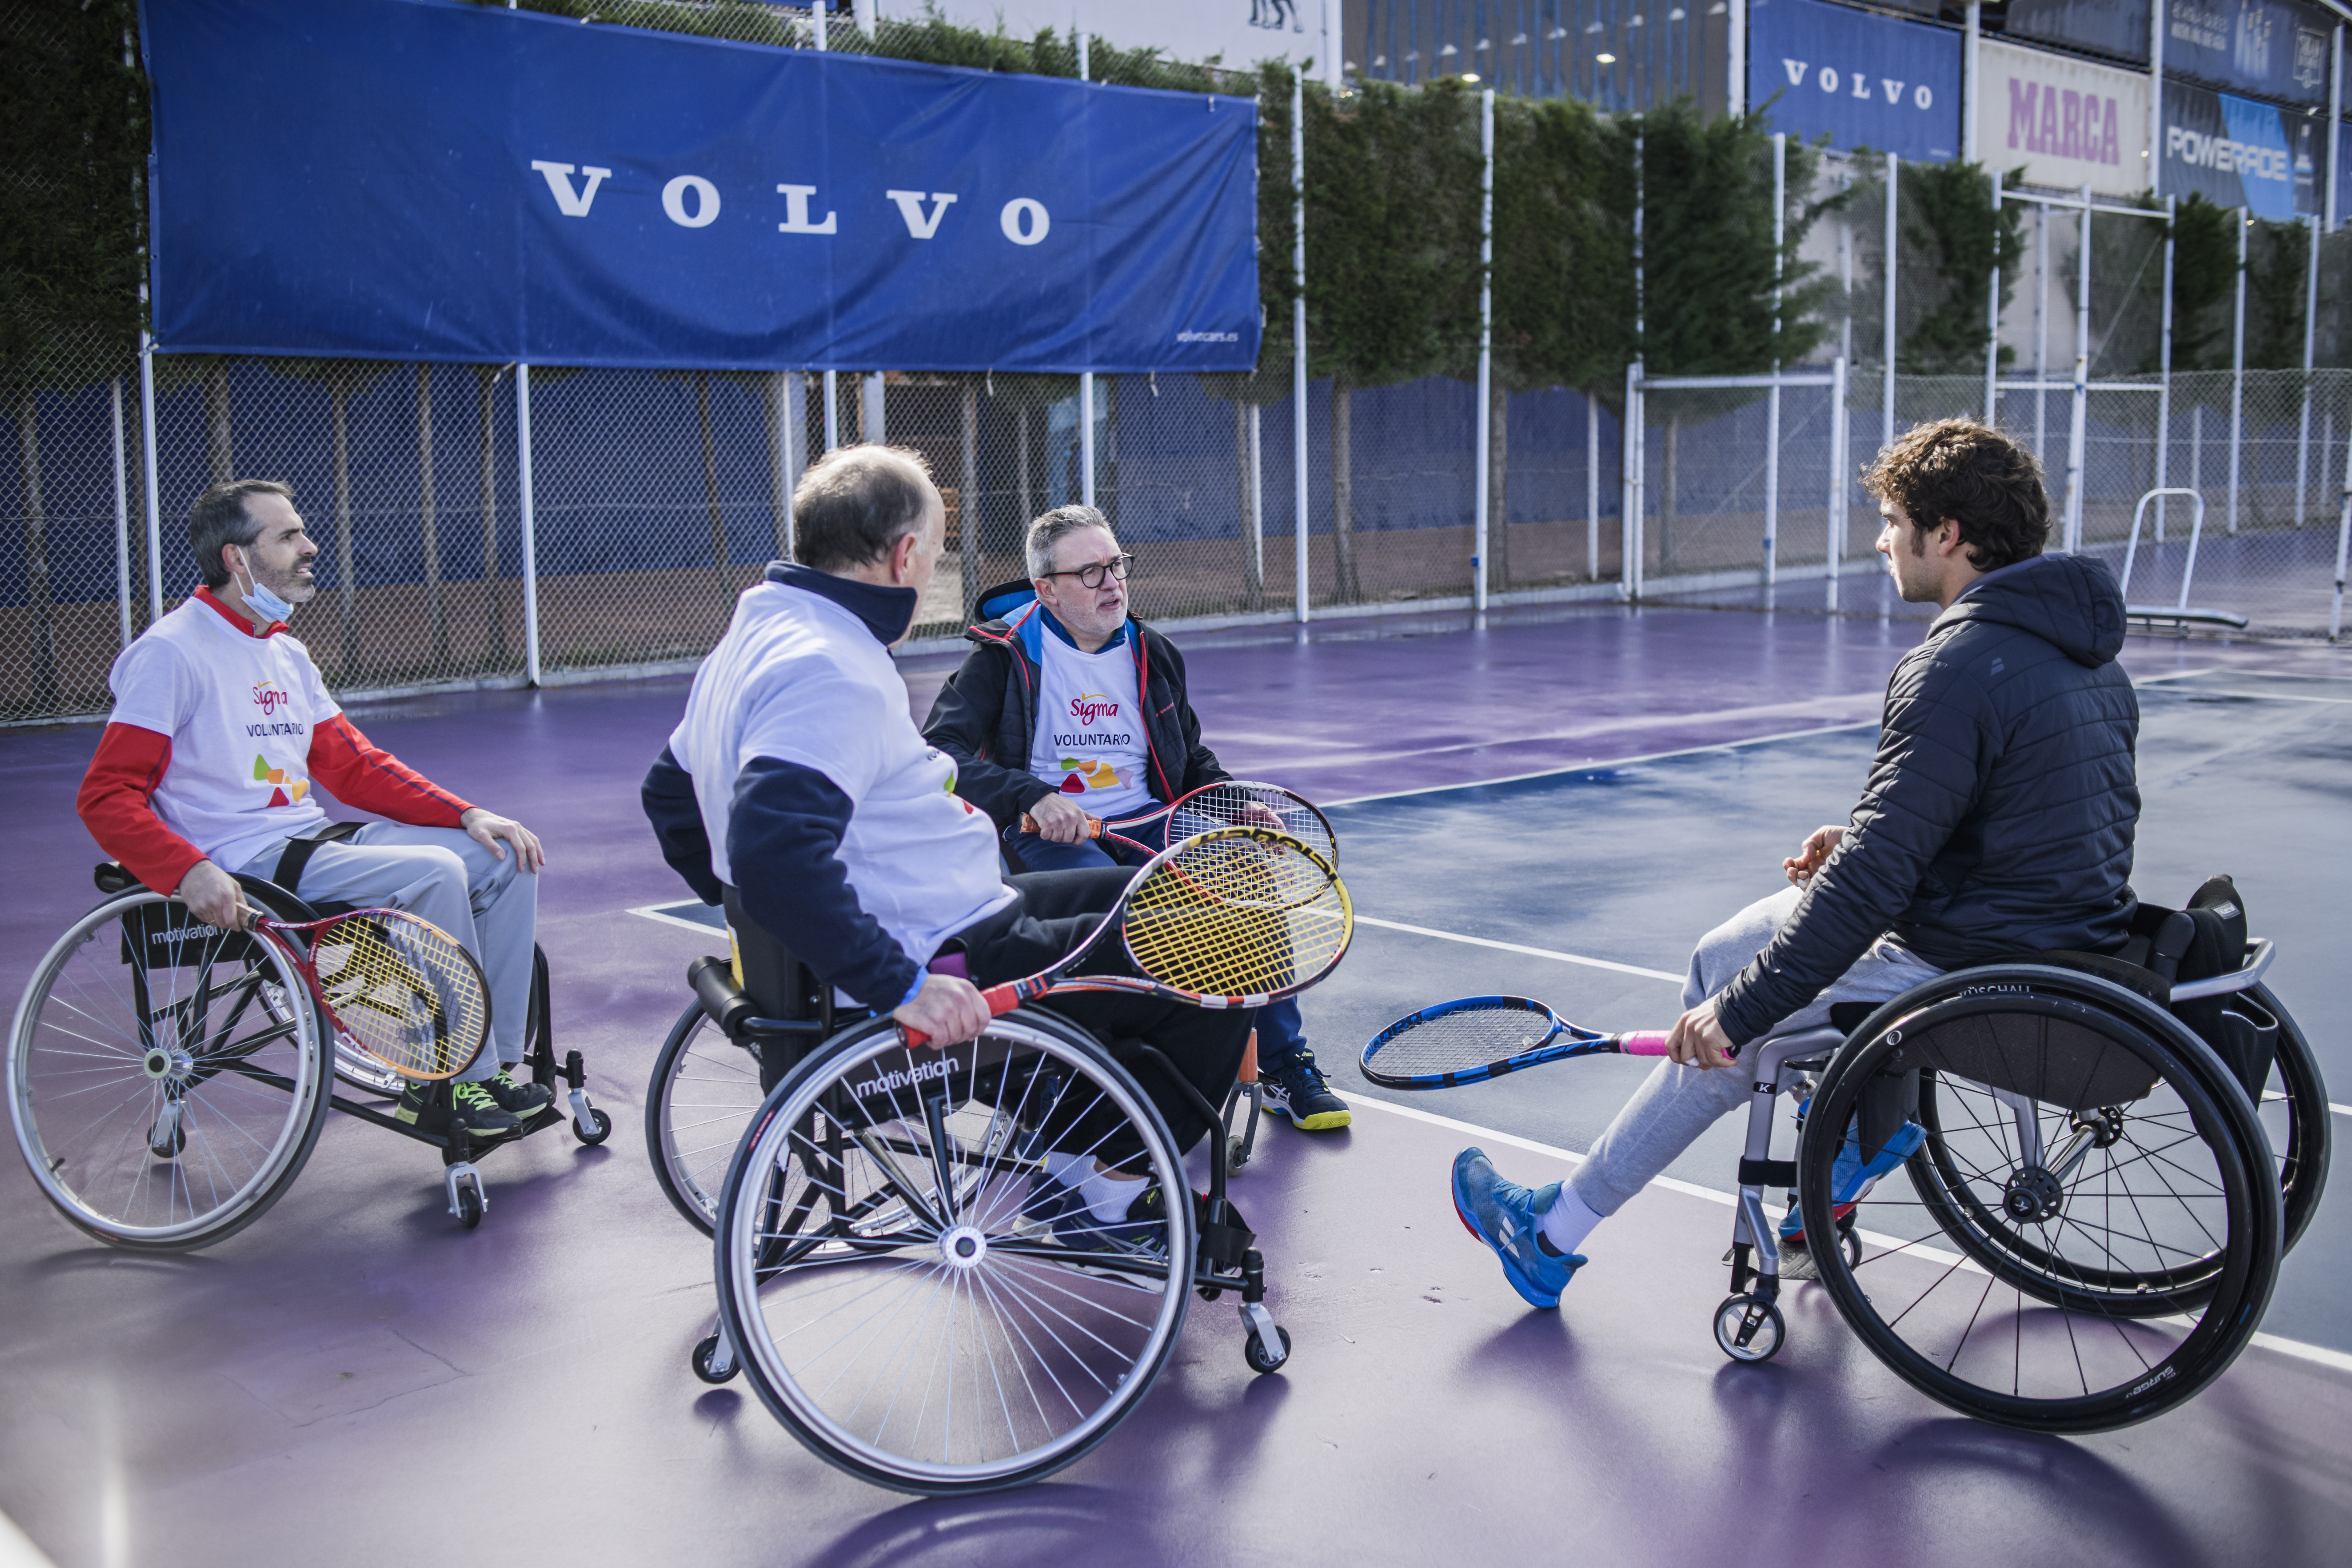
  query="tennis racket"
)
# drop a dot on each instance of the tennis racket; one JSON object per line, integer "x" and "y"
{"x": 1235, "y": 917}
{"x": 1230, "y": 803}
{"x": 1481, "y": 1037}
{"x": 398, "y": 988}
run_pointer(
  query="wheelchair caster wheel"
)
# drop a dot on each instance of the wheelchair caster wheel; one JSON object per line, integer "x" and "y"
{"x": 1748, "y": 1329}
{"x": 467, "y": 1202}
{"x": 1236, "y": 1156}
{"x": 1851, "y": 1245}
{"x": 1263, "y": 1360}
{"x": 168, "y": 1145}
{"x": 711, "y": 1366}
{"x": 599, "y": 1128}
{"x": 469, "y": 1207}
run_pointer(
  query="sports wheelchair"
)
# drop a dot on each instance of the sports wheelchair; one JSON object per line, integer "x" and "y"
{"x": 169, "y": 1079}
{"x": 2117, "y": 1151}
{"x": 908, "y": 1292}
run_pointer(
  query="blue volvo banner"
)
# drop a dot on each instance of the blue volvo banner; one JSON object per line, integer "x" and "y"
{"x": 1868, "y": 81}
{"x": 422, "y": 179}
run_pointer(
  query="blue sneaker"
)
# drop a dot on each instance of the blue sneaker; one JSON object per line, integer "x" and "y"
{"x": 1504, "y": 1215}
{"x": 1851, "y": 1180}
{"x": 1142, "y": 1234}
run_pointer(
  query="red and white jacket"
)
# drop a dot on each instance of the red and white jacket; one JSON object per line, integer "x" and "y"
{"x": 217, "y": 736}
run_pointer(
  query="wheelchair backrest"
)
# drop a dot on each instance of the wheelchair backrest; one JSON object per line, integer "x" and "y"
{"x": 778, "y": 983}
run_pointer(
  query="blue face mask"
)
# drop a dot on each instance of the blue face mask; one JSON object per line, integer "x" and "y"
{"x": 271, "y": 606}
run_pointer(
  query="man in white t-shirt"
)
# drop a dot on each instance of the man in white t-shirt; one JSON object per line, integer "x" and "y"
{"x": 797, "y": 779}
{"x": 220, "y": 731}
{"x": 1069, "y": 707}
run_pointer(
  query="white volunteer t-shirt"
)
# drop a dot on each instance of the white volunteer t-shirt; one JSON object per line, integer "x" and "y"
{"x": 1088, "y": 741}
{"x": 800, "y": 678}
{"x": 239, "y": 710}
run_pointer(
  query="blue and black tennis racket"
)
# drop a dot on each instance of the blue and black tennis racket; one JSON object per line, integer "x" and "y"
{"x": 1480, "y": 1038}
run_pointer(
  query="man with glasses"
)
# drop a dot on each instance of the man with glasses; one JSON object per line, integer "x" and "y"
{"x": 1067, "y": 708}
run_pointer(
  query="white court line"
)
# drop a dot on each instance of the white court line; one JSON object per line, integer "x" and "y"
{"x": 1605, "y": 763}
{"x": 2321, "y": 1355}
{"x": 654, "y": 912}
{"x": 2261, "y": 696}
{"x": 1609, "y": 963}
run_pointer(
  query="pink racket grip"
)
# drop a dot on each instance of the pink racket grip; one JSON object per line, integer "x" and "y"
{"x": 1642, "y": 1042}
{"x": 1001, "y": 999}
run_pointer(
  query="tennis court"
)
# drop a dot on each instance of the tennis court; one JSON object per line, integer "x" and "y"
{"x": 314, "y": 1387}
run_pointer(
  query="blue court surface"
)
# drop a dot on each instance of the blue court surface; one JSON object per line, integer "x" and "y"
{"x": 355, "y": 1378}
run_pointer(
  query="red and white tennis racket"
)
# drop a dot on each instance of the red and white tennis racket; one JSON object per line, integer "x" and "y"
{"x": 398, "y": 988}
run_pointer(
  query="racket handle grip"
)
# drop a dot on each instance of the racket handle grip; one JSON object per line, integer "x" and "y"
{"x": 1001, "y": 999}
{"x": 1642, "y": 1042}
{"x": 1094, "y": 825}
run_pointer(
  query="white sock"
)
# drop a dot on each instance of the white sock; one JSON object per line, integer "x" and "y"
{"x": 1569, "y": 1220}
{"x": 1067, "y": 1169}
{"x": 1110, "y": 1196}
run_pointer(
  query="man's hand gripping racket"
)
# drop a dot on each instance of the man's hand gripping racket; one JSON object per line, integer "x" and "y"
{"x": 1480, "y": 1038}
{"x": 398, "y": 988}
{"x": 1234, "y": 917}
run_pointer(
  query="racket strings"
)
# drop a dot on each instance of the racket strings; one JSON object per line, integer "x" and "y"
{"x": 1249, "y": 806}
{"x": 1237, "y": 914}
{"x": 405, "y": 992}
{"x": 1460, "y": 1040}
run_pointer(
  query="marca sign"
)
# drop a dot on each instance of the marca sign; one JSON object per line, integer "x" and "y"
{"x": 2068, "y": 123}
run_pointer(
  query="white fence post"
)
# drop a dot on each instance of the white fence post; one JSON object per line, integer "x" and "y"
{"x": 1298, "y": 329}
{"x": 2078, "y": 431}
{"x": 530, "y": 534}
{"x": 2237, "y": 371}
{"x": 2310, "y": 328}
{"x": 1087, "y": 436}
{"x": 1257, "y": 495}
{"x": 1992, "y": 305}
{"x": 793, "y": 415}
{"x": 2164, "y": 370}
{"x": 147, "y": 477}
{"x": 1592, "y": 487}
{"x": 1629, "y": 522}
{"x": 1894, "y": 241}
{"x": 1484, "y": 486}
{"x": 832, "y": 392}
{"x": 1839, "y": 437}
{"x": 1772, "y": 399}
{"x": 2343, "y": 546}
{"x": 121, "y": 520}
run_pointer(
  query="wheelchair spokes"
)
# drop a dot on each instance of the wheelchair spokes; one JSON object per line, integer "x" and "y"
{"x": 164, "y": 1089}
{"x": 891, "y": 1274}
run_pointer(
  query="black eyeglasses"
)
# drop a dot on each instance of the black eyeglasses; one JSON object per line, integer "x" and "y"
{"x": 1091, "y": 574}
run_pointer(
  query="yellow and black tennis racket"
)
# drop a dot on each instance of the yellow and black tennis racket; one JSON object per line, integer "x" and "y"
{"x": 398, "y": 988}
{"x": 1237, "y": 917}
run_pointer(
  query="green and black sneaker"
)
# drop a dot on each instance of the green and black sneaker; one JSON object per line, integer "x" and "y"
{"x": 475, "y": 1109}
{"x": 523, "y": 1097}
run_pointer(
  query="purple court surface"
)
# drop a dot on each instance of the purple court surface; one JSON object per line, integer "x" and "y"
{"x": 1556, "y": 803}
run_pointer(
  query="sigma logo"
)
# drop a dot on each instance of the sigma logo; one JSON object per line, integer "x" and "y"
{"x": 1858, "y": 84}
{"x": 907, "y": 1078}
{"x": 269, "y": 697}
{"x": 2142, "y": 1387}
{"x": 1089, "y": 706}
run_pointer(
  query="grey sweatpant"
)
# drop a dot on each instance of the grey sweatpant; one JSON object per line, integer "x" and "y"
{"x": 1677, "y": 1103}
{"x": 438, "y": 874}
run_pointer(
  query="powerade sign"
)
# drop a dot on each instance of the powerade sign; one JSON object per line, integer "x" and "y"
{"x": 1865, "y": 81}
{"x": 2236, "y": 153}
{"x": 2272, "y": 48}
{"x": 422, "y": 179}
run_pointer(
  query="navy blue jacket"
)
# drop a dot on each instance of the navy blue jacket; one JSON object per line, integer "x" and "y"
{"x": 986, "y": 713}
{"x": 2000, "y": 808}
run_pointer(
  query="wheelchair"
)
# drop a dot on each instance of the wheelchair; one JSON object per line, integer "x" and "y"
{"x": 168, "y": 1081}
{"x": 2117, "y": 1152}
{"x": 899, "y": 1277}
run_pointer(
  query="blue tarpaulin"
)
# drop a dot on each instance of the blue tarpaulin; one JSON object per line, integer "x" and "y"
{"x": 421, "y": 180}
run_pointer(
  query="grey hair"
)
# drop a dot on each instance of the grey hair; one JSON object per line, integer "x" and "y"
{"x": 219, "y": 517}
{"x": 1047, "y": 531}
{"x": 856, "y": 502}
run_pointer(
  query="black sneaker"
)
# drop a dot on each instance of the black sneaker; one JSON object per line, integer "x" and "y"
{"x": 524, "y": 1098}
{"x": 472, "y": 1107}
{"x": 1299, "y": 1090}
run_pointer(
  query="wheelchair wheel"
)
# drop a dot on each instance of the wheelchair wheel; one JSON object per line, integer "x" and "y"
{"x": 2294, "y": 1114}
{"x": 2107, "y": 1186}
{"x": 912, "y": 1294}
{"x": 703, "y": 1093}
{"x": 167, "y": 1079}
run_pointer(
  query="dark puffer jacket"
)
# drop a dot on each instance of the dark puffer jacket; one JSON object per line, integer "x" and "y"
{"x": 2002, "y": 803}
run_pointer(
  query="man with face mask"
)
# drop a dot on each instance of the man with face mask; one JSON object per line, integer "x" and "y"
{"x": 220, "y": 731}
